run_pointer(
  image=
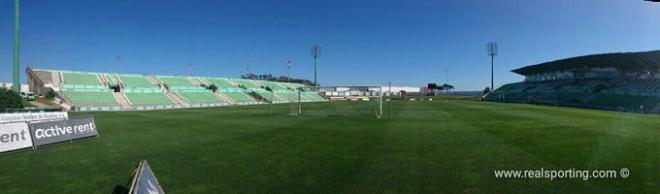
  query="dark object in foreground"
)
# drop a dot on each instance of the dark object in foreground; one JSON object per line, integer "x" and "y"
{"x": 144, "y": 180}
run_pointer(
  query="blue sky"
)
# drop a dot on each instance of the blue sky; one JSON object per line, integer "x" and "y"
{"x": 409, "y": 42}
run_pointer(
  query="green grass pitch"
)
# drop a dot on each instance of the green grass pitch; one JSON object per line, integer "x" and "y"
{"x": 443, "y": 146}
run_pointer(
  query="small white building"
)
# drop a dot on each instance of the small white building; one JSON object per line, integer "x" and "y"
{"x": 347, "y": 91}
{"x": 7, "y": 85}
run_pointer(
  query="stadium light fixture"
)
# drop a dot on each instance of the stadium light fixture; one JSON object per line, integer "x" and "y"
{"x": 492, "y": 52}
{"x": 656, "y": 1}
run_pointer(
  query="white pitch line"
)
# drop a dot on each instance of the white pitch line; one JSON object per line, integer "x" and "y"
{"x": 445, "y": 113}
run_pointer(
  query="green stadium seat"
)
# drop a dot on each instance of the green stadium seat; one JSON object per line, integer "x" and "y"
{"x": 199, "y": 96}
{"x": 136, "y": 81}
{"x": 174, "y": 82}
{"x": 221, "y": 83}
{"x": 147, "y": 96}
{"x": 98, "y": 98}
{"x": 80, "y": 78}
{"x": 239, "y": 96}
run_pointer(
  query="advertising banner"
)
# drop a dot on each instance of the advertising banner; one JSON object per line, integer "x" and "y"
{"x": 50, "y": 132}
{"x": 144, "y": 181}
{"x": 32, "y": 116}
{"x": 14, "y": 136}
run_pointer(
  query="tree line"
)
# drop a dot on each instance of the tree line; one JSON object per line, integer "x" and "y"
{"x": 270, "y": 77}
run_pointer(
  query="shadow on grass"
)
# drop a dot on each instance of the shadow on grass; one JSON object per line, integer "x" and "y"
{"x": 120, "y": 189}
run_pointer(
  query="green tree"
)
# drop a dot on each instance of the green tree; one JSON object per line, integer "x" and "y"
{"x": 9, "y": 99}
{"x": 50, "y": 95}
{"x": 213, "y": 87}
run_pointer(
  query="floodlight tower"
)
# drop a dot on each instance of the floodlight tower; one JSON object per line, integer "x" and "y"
{"x": 316, "y": 53}
{"x": 492, "y": 52}
{"x": 16, "y": 84}
{"x": 288, "y": 70}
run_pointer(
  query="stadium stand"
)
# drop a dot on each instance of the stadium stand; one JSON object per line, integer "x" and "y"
{"x": 617, "y": 81}
{"x": 76, "y": 78}
{"x": 193, "y": 93}
{"x": 141, "y": 92}
{"x": 83, "y": 89}
{"x": 177, "y": 82}
{"x": 232, "y": 89}
{"x": 146, "y": 96}
{"x": 136, "y": 81}
{"x": 246, "y": 83}
{"x": 89, "y": 96}
{"x": 240, "y": 97}
{"x": 221, "y": 83}
{"x": 105, "y": 91}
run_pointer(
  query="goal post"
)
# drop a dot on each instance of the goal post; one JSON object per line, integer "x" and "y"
{"x": 373, "y": 95}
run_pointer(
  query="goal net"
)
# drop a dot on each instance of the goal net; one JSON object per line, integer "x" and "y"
{"x": 345, "y": 100}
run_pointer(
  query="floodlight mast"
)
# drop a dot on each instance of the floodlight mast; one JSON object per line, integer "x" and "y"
{"x": 492, "y": 52}
{"x": 16, "y": 85}
{"x": 316, "y": 53}
{"x": 288, "y": 70}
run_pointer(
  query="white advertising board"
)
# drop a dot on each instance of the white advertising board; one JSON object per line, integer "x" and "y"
{"x": 14, "y": 136}
{"x": 32, "y": 116}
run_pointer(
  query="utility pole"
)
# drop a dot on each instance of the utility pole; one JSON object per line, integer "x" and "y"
{"x": 492, "y": 52}
{"x": 316, "y": 53}
{"x": 16, "y": 85}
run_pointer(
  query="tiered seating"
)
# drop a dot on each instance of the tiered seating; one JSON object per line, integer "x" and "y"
{"x": 194, "y": 93}
{"x": 246, "y": 83}
{"x": 641, "y": 84}
{"x": 89, "y": 96}
{"x": 85, "y": 89}
{"x": 199, "y": 96}
{"x": 136, "y": 81}
{"x": 507, "y": 93}
{"x": 624, "y": 102}
{"x": 272, "y": 85}
{"x": 221, "y": 83}
{"x": 174, "y": 81}
{"x": 74, "y": 78}
{"x": 141, "y": 92}
{"x": 629, "y": 94}
{"x": 239, "y": 96}
{"x": 147, "y": 96}
{"x": 110, "y": 79}
{"x": 267, "y": 95}
{"x": 99, "y": 91}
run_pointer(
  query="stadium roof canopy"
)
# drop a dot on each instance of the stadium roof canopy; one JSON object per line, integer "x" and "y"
{"x": 636, "y": 61}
